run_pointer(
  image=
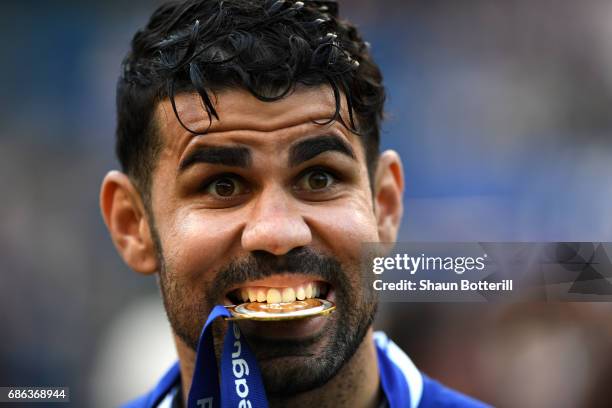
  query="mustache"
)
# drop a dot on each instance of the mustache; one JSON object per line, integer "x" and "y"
{"x": 261, "y": 264}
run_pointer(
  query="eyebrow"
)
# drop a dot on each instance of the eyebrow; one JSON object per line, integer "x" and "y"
{"x": 227, "y": 156}
{"x": 314, "y": 146}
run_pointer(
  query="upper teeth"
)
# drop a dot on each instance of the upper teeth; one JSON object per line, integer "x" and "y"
{"x": 278, "y": 295}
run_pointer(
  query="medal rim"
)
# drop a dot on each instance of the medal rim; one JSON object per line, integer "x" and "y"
{"x": 327, "y": 308}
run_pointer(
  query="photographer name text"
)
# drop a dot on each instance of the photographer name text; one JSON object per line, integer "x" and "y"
{"x": 428, "y": 285}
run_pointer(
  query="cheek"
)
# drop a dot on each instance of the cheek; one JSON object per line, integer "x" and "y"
{"x": 342, "y": 228}
{"x": 196, "y": 244}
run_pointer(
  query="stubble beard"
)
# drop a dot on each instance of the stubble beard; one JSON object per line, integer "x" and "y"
{"x": 288, "y": 367}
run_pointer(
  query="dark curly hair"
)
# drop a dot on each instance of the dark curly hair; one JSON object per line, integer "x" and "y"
{"x": 264, "y": 46}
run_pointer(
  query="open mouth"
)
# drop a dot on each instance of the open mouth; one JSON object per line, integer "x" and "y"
{"x": 279, "y": 290}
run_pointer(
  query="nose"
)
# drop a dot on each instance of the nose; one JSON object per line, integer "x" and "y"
{"x": 275, "y": 224}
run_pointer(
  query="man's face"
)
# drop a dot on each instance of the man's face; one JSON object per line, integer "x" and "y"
{"x": 266, "y": 205}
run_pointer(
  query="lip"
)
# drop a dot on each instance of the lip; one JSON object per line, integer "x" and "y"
{"x": 298, "y": 329}
{"x": 279, "y": 281}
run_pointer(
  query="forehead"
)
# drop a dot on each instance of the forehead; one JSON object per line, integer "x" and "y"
{"x": 245, "y": 119}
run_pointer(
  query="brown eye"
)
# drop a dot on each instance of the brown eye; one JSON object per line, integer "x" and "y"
{"x": 316, "y": 180}
{"x": 225, "y": 187}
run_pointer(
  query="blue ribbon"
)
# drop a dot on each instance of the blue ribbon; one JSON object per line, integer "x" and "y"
{"x": 241, "y": 382}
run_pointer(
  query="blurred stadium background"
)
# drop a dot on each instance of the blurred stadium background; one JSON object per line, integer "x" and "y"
{"x": 500, "y": 109}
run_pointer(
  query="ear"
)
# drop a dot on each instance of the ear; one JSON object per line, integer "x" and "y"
{"x": 125, "y": 218}
{"x": 388, "y": 195}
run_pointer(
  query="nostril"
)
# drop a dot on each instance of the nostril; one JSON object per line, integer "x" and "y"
{"x": 277, "y": 235}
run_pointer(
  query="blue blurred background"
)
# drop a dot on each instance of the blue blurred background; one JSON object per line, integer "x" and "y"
{"x": 500, "y": 110}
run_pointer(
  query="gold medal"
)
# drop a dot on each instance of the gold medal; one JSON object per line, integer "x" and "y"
{"x": 281, "y": 311}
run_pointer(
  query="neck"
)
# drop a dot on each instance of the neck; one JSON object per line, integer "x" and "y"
{"x": 356, "y": 384}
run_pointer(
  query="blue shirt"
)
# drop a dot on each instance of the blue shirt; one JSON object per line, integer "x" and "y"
{"x": 402, "y": 383}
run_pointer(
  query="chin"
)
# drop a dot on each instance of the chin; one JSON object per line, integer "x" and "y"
{"x": 291, "y": 375}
